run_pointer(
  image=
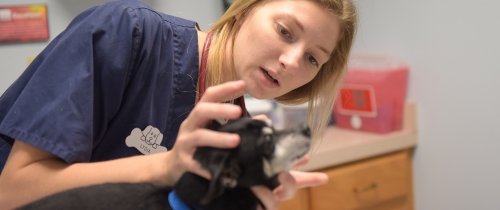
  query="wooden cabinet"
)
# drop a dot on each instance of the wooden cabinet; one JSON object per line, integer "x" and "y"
{"x": 299, "y": 202}
{"x": 379, "y": 183}
{"x": 367, "y": 171}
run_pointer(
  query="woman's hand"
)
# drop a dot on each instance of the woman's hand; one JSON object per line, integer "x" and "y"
{"x": 290, "y": 182}
{"x": 193, "y": 132}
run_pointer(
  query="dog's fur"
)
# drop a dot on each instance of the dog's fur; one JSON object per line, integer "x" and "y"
{"x": 261, "y": 155}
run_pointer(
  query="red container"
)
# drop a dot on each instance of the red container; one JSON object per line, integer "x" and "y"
{"x": 372, "y": 94}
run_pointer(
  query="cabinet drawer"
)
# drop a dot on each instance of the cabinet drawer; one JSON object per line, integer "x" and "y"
{"x": 378, "y": 183}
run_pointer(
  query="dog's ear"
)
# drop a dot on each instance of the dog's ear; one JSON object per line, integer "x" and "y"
{"x": 256, "y": 124}
{"x": 214, "y": 161}
{"x": 214, "y": 125}
{"x": 241, "y": 124}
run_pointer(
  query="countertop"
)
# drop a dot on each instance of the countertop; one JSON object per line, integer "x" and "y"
{"x": 340, "y": 146}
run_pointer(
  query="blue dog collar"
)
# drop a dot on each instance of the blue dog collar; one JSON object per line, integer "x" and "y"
{"x": 176, "y": 203}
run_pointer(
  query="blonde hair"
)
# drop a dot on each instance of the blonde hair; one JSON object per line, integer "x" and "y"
{"x": 319, "y": 93}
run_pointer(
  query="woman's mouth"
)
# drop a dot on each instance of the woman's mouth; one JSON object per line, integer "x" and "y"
{"x": 269, "y": 77}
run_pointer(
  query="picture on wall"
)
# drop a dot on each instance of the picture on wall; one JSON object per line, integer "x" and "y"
{"x": 23, "y": 23}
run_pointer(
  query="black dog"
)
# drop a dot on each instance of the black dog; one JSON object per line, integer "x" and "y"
{"x": 261, "y": 155}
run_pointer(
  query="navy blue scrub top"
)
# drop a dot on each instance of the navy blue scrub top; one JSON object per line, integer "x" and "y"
{"x": 117, "y": 82}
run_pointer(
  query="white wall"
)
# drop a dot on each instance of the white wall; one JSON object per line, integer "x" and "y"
{"x": 453, "y": 49}
{"x": 14, "y": 57}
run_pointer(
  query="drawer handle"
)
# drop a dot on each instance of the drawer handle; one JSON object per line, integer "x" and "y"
{"x": 363, "y": 189}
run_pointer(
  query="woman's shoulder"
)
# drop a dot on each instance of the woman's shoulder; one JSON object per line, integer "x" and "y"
{"x": 141, "y": 10}
{"x": 123, "y": 5}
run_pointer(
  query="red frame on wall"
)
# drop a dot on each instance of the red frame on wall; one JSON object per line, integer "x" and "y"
{"x": 24, "y": 23}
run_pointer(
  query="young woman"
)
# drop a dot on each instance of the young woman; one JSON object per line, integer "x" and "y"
{"x": 124, "y": 93}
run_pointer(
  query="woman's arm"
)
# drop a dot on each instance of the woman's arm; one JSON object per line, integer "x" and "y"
{"x": 31, "y": 173}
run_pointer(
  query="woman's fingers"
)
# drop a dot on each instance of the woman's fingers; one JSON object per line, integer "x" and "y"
{"x": 266, "y": 197}
{"x": 196, "y": 168}
{"x": 262, "y": 117}
{"x": 287, "y": 188}
{"x": 290, "y": 182}
{"x": 204, "y": 112}
{"x": 309, "y": 179}
{"x": 210, "y": 108}
{"x": 294, "y": 180}
{"x": 206, "y": 137}
{"x": 224, "y": 92}
{"x": 188, "y": 142}
{"x": 193, "y": 132}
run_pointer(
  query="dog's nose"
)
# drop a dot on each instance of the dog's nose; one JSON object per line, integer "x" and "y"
{"x": 306, "y": 131}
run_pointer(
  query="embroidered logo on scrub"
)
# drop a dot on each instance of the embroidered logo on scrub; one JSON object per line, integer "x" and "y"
{"x": 147, "y": 141}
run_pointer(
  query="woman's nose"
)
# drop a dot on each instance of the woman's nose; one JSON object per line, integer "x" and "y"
{"x": 291, "y": 59}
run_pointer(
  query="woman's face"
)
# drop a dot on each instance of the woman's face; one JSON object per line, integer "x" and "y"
{"x": 282, "y": 45}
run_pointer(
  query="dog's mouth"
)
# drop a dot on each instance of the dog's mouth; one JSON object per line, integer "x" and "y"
{"x": 289, "y": 148}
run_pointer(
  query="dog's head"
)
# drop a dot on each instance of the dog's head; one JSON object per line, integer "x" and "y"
{"x": 289, "y": 146}
{"x": 277, "y": 150}
{"x": 262, "y": 154}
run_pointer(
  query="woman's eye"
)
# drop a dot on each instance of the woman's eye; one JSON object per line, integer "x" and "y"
{"x": 284, "y": 32}
{"x": 312, "y": 60}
